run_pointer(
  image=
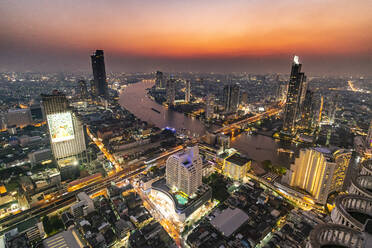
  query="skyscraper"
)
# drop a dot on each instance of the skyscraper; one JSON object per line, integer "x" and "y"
{"x": 171, "y": 91}
{"x": 231, "y": 98}
{"x": 307, "y": 110}
{"x": 209, "y": 106}
{"x": 99, "y": 74}
{"x": 159, "y": 80}
{"x": 66, "y": 131}
{"x": 294, "y": 93}
{"x": 83, "y": 89}
{"x": 184, "y": 170}
{"x": 318, "y": 172}
{"x": 187, "y": 91}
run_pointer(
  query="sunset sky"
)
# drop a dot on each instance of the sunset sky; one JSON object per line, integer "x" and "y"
{"x": 333, "y": 37}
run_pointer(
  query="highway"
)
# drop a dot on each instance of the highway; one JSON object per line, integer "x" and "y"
{"x": 251, "y": 119}
{"x": 64, "y": 200}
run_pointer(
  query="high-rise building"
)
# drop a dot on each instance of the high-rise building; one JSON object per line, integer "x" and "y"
{"x": 317, "y": 172}
{"x": 209, "y": 106}
{"x": 187, "y": 91}
{"x": 19, "y": 117}
{"x": 36, "y": 112}
{"x": 307, "y": 110}
{"x": 83, "y": 89}
{"x": 184, "y": 170}
{"x": 66, "y": 131}
{"x": 244, "y": 99}
{"x": 99, "y": 74}
{"x": 171, "y": 91}
{"x": 369, "y": 136}
{"x": 159, "y": 79}
{"x": 294, "y": 96}
{"x": 231, "y": 97}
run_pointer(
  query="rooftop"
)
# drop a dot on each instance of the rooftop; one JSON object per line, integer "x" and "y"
{"x": 63, "y": 239}
{"x": 238, "y": 159}
{"x": 229, "y": 221}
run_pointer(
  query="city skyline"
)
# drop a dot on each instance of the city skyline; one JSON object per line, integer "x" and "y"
{"x": 238, "y": 37}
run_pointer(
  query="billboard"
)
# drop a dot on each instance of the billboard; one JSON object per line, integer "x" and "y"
{"x": 60, "y": 127}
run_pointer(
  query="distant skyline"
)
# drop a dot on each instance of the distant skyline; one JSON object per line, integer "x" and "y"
{"x": 331, "y": 37}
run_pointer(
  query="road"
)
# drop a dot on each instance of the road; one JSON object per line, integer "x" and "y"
{"x": 248, "y": 120}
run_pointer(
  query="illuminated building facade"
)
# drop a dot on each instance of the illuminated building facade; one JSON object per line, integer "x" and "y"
{"x": 316, "y": 172}
{"x": 171, "y": 91}
{"x": 184, "y": 171}
{"x": 231, "y": 98}
{"x": 294, "y": 96}
{"x": 188, "y": 91}
{"x": 236, "y": 166}
{"x": 159, "y": 79}
{"x": 66, "y": 131}
{"x": 99, "y": 74}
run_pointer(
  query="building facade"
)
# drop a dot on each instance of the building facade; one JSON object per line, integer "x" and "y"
{"x": 187, "y": 91}
{"x": 236, "y": 166}
{"x": 315, "y": 171}
{"x": 100, "y": 86}
{"x": 159, "y": 79}
{"x": 231, "y": 98}
{"x": 171, "y": 91}
{"x": 184, "y": 171}
{"x": 66, "y": 131}
{"x": 294, "y": 93}
{"x": 209, "y": 107}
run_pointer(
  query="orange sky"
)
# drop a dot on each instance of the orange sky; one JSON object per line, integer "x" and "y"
{"x": 188, "y": 29}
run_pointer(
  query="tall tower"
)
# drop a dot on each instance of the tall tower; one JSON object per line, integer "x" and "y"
{"x": 83, "y": 89}
{"x": 294, "y": 93}
{"x": 171, "y": 91}
{"x": 184, "y": 170}
{"x": 159, "y": 80}
{"x": 307, "y": 111}
{"x": 316, "y": 172}
{"x": 209, "y": 106}
{"x": 187, "y": 91}
{"x": 66, "y": 131}
{"x": 231, "y": 98}
{"x": 99, "y": 73}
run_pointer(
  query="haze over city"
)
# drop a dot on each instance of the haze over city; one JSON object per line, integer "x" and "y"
{"x": 332, "y": 37}
{"x": 185, "y": 124}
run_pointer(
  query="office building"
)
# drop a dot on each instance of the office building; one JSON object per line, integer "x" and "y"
{"x": 307, "y": 109}
{"x": 66, "y": 131}
{"x": 69, "y": 238}
{"x": 99, "y": 74}
{"x": 187, "y": 91}
{"x": 244, "y": 99}
{"x": 236, "y": 166}
{"x": 19, "y": 117}
{"x": 294, "y": 96}
{"x": 171, "y": 91}
{"x": 36, "y": 112}
{"x": 209, "y": 107}
{"x": 159, "y": 79}
{"x": 184, "y": 171}
{"x": 316, "y": 172}
{"x": 83, "y": 89}
{"x": 40, "y": 156}
{"x": 83, "y": 207}
{"x": 231, "y": 98}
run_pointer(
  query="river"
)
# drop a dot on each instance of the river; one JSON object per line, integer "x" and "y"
{"x": 258, "y": 147}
